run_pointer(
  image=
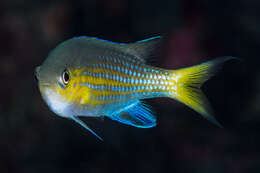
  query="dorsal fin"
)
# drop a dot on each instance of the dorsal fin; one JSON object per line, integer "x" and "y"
{"x": 140, "y": 49}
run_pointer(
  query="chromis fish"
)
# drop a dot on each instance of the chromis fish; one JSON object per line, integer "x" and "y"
{"x": 87, "y": 76}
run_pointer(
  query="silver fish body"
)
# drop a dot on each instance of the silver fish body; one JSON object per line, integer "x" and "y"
{"x": 86, "y": 76}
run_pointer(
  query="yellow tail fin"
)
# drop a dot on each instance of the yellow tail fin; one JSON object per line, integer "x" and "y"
{"x": 188, "y": 82}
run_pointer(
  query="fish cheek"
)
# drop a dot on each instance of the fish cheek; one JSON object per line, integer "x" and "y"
{"x": 75, "y": 93}
{"x": 65, "y": 92}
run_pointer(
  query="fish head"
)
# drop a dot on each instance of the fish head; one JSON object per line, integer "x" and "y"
{"x": 53, "y": 78}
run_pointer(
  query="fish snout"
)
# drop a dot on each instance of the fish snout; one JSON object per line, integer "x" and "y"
{"x": 36, "y": 74}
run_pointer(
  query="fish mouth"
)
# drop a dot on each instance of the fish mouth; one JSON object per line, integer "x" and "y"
{"x": 37, "y": 70}
{"x": 36, "y": 74}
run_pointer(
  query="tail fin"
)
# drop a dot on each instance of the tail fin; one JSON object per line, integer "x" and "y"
{"x": 188, "y": 82}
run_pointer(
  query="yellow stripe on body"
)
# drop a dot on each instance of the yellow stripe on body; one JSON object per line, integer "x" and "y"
{"x": 147, "y": 82}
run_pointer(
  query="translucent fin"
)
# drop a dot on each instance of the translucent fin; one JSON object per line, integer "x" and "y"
{"x": 137, "y": 115}
{"x": 188, "y": 82}
{"x": 144, "y": 48}
{"x": 77, "y": 120}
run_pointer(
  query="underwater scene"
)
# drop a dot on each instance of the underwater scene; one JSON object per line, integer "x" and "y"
{"x": 129, "y": 86}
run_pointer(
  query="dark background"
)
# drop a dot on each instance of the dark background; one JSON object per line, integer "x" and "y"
{"x": 33, "y": 139}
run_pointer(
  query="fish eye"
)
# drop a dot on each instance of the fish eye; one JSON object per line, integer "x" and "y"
{"x": 65, "y": 77}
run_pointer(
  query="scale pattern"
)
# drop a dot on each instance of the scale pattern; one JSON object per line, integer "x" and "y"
{"x": 109, "y": 80}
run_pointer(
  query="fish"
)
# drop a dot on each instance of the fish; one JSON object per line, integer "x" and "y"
{"x": 91, "y": 77}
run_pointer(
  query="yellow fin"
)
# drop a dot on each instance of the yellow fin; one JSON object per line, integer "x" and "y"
{"x": 188, "y": 82}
